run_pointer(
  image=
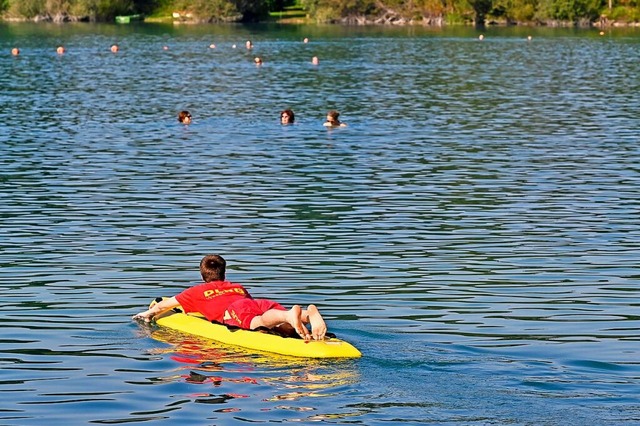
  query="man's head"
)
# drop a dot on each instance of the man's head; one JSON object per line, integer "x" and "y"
{"x": 212, "y": 268}
{"x": 184, "y": 117}
{"x": 332, "y": 116}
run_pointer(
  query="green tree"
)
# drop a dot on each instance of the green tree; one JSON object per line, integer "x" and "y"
{"x": 575, "y": 10}
{"x": 311, "y": 6}
{"x": 26, "y": 8}
{"x": 252, "y": 10}
{"x": 224, "y": 10}
{"x": 278, "y": 5}
{"x": 514, "y": 11}
{"x": 148, "y": 6}
{"x": 209, "y": 10}
{"x": 480, "y": 8}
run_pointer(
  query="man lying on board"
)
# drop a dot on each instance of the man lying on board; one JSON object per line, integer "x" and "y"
{"x": 231, "y": 304}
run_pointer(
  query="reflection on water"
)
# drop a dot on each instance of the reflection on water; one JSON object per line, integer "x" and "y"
{"x": 474, "y": 231}
{"x": 234, "y": 373}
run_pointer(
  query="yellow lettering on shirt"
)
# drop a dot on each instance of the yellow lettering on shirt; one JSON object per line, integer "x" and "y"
{"x": 210, "y": 294}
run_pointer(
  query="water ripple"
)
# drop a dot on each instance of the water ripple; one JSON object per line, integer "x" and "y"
{"x": 476, "y": 222}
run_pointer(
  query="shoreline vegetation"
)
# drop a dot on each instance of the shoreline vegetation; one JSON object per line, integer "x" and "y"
{"x": 553, "y": 13}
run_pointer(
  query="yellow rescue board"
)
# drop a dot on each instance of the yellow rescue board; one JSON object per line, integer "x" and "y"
{"x": 199, "y": 326}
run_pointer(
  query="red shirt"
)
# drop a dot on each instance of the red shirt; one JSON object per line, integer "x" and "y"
{"x": 211, "y": 299}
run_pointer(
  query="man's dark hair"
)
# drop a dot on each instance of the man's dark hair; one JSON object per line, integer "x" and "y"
{"x": 212, "y": 268}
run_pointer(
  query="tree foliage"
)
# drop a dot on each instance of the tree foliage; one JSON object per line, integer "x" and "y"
{"x": 361, "y": 11}
{"x": 78, "y": 9}
{"x": 575, "y": 10}
{"x": 480, "y": 8}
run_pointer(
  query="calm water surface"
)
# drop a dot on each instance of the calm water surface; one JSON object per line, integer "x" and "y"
{"x": 474, "y": 230}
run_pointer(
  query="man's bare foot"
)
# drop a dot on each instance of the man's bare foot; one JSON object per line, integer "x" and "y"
{"x": 293, "y": 318}
{"x": 318, "y": 327}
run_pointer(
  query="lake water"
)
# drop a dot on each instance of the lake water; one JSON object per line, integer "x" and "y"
{"x": 474, "y": 231}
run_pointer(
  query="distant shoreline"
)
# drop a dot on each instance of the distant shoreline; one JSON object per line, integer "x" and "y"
{"x": 347, "y": 21}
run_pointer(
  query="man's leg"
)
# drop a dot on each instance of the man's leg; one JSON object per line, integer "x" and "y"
{"x": 274, "y": 317}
